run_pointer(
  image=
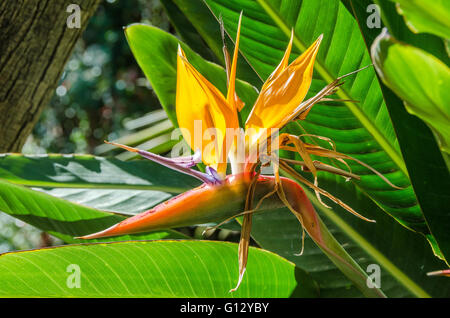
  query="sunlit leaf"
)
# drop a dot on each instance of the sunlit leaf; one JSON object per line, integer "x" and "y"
{"x": 426, "y": 16}
{"x": 149, "y": 269}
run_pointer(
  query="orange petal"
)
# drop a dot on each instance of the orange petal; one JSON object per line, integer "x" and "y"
{"x": 233, "y": 100}
{"x": 200, "y": 106}
{"x": 284, "y": 90}
{"x": 283, "y": 64}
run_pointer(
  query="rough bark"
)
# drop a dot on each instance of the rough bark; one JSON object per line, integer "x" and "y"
{"x": 35, "y": 44}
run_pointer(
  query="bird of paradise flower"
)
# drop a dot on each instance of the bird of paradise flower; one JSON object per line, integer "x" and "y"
{"x": 222, "y": 197}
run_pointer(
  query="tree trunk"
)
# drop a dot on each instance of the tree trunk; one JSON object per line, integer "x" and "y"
{"x": 35, "y": 44}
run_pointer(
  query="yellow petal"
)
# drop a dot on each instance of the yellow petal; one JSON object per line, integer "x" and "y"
{"x": 201, "y": 106}
{"x": 282, "y": 66}
{"x": 233, "y": 100}
{"x": 284, "y": 90}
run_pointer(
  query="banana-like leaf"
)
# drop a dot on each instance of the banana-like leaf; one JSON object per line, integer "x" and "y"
{"x": 420, "y": 80}
{"x": 426, "y": 165}
{"x": 105, "y": 184}
{"x": 153, "y": 132}
{"x": 86, "y": 171}
{"x": 62, "y": 218}
{"x": 388, "y": 16}
{"x": 149, "y": 269}
{"x": 426, "y": 16}
{"x": 187, "y": 31}
{"x": 140, "y": 136}
{"x": 127, "y": 202}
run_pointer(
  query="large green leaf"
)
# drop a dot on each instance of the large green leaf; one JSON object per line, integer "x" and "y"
{"x": 395, "y": 23}
{"x": 149, "y": 269}
{"x": 86, "y": 171}
{"x": 187, "y": 31}
{"x": 139, "y": 137}
{"x": 105, "y": 184}
{"x": 426, "y": 16}
{"x": 65, "y": 219}
{"x": 425, "y": 164}
{"x": 420, "y": 80}
{"x": 126, "y": 202}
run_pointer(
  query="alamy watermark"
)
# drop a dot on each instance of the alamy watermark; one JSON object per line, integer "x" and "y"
{"x": 74, "y": 19}
{"x": 74, "y": 279}
{"x": 374, "y": 19}
{"x": 374, "y": 278}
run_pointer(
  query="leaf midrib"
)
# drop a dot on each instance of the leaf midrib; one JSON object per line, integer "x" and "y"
{"x": 56, "y": 185}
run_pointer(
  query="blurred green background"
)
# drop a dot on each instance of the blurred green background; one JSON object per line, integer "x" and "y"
{"x": 102, "y": 88}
